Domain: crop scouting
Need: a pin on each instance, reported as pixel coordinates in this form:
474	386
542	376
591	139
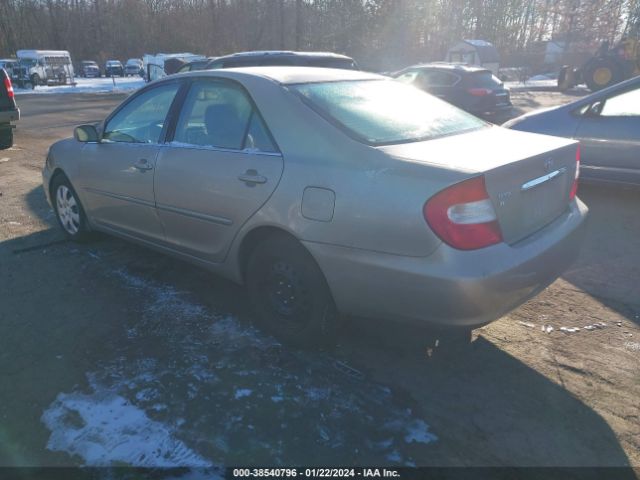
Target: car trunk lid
528	177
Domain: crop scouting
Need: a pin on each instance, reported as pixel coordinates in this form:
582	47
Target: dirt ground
92	335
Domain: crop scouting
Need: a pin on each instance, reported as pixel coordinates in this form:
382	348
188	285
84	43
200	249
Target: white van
46	67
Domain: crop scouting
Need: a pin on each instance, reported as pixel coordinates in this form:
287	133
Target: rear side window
435	78
483	80
383	112
217	114
142	119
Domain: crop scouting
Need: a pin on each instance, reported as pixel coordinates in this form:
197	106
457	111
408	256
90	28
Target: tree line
379	34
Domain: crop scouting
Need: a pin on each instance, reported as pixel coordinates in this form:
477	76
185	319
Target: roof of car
459	67
292	75
281	53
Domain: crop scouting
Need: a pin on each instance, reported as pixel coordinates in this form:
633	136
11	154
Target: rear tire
289	294
35	80
68	209
6	137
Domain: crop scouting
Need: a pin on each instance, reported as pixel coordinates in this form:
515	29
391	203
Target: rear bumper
10	115
451	287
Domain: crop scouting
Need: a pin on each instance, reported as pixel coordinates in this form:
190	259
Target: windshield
382	112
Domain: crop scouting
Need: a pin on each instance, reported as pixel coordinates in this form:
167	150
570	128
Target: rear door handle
143	165
251	177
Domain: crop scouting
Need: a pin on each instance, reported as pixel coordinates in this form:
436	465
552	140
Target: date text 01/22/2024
314	473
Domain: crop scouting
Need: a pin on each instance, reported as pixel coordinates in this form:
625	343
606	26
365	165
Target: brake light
8	86
574	187
463	215
479	92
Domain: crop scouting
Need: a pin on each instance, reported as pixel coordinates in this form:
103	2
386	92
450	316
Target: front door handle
251	177
143	165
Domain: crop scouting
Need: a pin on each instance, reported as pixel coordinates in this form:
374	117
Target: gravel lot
113	353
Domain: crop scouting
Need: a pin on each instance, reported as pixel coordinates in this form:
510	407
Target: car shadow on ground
609	258
486	406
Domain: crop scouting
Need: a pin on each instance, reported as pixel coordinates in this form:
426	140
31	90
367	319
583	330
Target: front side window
383	112
217	114
142	119
626	104
408	77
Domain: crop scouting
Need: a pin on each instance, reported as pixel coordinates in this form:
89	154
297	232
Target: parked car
283	58
474	89
134	68
607	124
113	68
327	191
9	111
89	69
8	64
195	65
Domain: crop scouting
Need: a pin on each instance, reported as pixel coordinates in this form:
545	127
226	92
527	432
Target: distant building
475	52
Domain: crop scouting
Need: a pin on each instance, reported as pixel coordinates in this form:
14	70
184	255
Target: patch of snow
243	392
104	429
418	432
569	329
88	85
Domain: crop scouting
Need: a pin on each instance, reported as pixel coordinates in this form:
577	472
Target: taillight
463	216
574	187
479	92
8	86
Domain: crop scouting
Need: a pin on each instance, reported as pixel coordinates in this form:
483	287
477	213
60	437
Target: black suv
474	89
9	112
283	58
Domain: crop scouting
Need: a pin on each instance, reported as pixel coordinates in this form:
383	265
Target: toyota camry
327	193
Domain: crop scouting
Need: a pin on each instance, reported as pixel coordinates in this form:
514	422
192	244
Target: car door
220	168
117	173
609	134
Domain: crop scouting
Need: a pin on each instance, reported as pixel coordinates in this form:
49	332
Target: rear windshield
483	80
383	112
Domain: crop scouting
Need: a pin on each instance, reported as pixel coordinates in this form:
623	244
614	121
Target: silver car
327	192
607	124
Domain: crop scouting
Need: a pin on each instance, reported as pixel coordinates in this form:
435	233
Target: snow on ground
89	85
538	82
188	387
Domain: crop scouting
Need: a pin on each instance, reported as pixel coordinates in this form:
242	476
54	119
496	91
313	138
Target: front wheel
35	80
289	294
68	209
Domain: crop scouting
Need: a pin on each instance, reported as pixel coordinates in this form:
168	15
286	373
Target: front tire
68	209
289	293
35	80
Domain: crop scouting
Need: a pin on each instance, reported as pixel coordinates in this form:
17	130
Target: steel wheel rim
68	210
286	294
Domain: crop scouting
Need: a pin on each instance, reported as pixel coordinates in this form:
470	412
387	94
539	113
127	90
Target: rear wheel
68	209
35	80
602	72
289	294
6	137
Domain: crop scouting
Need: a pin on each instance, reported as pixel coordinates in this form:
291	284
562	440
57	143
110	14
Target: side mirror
596	108
86	134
